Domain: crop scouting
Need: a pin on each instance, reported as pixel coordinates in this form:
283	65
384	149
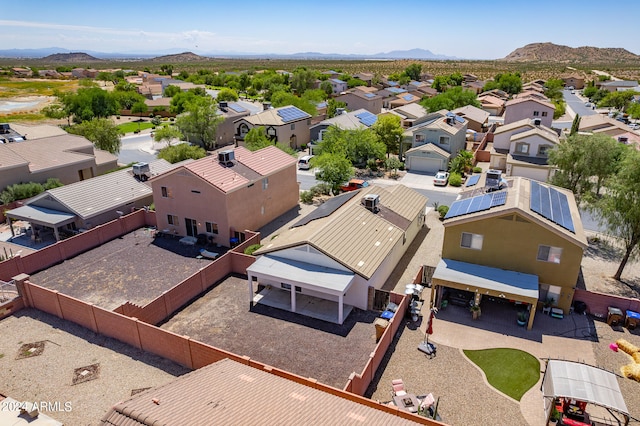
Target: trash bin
632	320
381	325
614	316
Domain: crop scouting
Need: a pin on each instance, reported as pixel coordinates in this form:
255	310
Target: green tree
508	82
332	107
256	138
88	103
282	98
200	121
363	146
326	87
453	98
389	131
619	207
335	169
102	132
393	163
56	111
180	100
302	80
413	71
575	125
180	152
553	89
461	163
590	90
561	108
634	110
171	90
617	100
167	134
167	69
227	94
126	99
139	108
355	82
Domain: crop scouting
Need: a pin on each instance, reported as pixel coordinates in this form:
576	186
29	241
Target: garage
426	158
541	174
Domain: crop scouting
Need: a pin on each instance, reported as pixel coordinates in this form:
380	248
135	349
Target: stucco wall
519	111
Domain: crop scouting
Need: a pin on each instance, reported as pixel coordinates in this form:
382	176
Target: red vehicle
354	184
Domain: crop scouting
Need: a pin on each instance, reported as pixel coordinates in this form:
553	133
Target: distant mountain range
52	53
549	52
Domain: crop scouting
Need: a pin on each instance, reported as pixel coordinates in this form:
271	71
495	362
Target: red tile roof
266	160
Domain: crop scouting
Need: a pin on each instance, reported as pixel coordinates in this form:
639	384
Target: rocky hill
181	57
549	52
76	57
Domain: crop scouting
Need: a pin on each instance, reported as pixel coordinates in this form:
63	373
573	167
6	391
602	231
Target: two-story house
529	107
288	125
477	118
410	114
337	253
521	149
358	119
224	195
434	143
337	85
358	99
523	244
226	130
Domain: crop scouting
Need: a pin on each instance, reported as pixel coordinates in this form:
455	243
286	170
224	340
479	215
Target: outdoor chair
398	387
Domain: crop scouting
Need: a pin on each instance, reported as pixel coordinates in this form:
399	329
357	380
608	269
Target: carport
582	382
485	281
300	277
41	216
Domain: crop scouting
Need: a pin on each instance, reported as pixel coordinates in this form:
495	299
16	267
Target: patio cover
41	216
501	282
584	383
302	274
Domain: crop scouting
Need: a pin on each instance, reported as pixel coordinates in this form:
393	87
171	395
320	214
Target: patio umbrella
429	329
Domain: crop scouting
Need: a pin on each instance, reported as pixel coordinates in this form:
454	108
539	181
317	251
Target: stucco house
288	125
43	152
521	149
599	123
573	80
338	252
619	85
522	244
337	85
224	195
403	99
529	107
410	114
226	130
492	104
68	209
434	143
358	119
477	118
358	99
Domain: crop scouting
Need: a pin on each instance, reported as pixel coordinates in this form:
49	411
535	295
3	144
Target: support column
293	298
340	308
250	282
56	233
532	314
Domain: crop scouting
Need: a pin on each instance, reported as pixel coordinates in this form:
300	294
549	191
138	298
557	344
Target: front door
192	227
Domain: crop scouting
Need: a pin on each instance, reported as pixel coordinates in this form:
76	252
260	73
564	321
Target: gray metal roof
41	215
500	280
320	278
583	382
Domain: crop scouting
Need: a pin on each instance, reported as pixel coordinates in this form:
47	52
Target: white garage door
531	173
422	164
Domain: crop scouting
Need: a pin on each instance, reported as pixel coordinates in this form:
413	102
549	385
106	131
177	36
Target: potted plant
546	306
522	318
475	311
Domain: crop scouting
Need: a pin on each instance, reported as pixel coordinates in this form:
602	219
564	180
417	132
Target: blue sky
463	28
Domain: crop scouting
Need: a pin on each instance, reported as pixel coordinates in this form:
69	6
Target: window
172	219
420	138
522	148
544	113
211	227
444	140
549	254
243	129
543	150
536	113
472	241
293	126
164	191
265	183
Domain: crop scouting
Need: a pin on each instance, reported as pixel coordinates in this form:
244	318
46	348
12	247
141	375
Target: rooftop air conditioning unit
537	122
493	180
4	128
222	106
371	202
141	171
226	158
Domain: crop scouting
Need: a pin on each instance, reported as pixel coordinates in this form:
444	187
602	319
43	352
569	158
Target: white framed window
471	241
211	227
549	254
164	191
536	113
444	140
544	113
420	138
172	219
522	148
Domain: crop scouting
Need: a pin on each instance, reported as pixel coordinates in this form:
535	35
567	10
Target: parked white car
441	179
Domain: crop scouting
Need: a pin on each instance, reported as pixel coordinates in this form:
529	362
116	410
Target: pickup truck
354	184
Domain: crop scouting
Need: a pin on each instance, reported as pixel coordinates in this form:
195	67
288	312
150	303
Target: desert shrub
455	179
477	169
306	197
442	210
249	250
321	189
22	191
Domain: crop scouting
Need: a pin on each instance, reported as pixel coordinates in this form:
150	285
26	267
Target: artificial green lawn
133	126
511	371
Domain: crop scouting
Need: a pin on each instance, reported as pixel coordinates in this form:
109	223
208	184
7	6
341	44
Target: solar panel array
408	97
472	180
237	108
367	118
476	204
551	204
369	95
291	114
456	117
